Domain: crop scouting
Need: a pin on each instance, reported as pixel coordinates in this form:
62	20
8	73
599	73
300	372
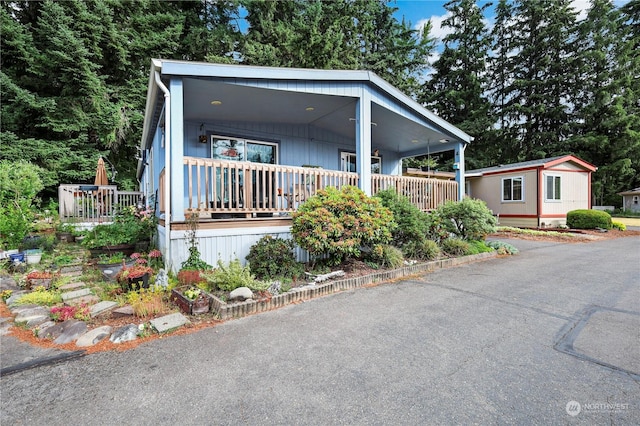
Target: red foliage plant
189	277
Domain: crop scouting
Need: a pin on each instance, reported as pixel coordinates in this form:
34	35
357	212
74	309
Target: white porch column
459	161
177	149
363	141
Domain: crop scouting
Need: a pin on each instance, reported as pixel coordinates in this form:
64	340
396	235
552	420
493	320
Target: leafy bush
389	257
339	223
502	247
618	225
588	219
412	222
423	250
19	184
231	276
455	247
272	258
469	219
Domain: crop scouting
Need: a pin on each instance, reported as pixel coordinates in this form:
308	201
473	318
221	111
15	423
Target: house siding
489	189
573	193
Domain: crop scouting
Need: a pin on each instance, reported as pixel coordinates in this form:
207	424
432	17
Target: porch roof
285	95
543	162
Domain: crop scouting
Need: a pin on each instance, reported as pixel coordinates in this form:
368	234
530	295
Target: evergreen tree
457	89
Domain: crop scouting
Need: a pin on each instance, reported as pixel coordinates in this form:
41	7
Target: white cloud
437	30
582	7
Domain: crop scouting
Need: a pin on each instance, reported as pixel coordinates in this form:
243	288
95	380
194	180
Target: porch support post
459	164
363	141
177	149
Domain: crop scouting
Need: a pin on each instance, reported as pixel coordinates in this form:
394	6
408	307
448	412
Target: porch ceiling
391	131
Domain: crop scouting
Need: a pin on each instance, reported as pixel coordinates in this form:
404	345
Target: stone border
311	291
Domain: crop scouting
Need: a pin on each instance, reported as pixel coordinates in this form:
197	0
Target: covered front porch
218	189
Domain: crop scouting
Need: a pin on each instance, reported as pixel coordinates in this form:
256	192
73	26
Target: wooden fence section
92	203
244	189
426	194
222	189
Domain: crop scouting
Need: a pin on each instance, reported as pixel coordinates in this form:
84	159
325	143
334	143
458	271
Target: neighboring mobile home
242	146
536	193
631	200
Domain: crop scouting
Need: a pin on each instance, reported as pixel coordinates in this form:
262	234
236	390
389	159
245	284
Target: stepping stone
42	327
75	294
14	297
125	311
21	308
125	334
33	314
169	322
71	271
102	307
72	286
94	336
71	332
87	300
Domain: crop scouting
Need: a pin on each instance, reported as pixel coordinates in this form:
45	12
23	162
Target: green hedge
588	219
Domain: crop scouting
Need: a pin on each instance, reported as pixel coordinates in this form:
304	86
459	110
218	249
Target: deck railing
424	193
223	189
92	203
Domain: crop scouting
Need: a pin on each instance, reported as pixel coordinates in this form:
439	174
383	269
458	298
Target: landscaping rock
125	334
125	311
169	322
241	293
8	283
72	286
102	307
42	327
35	316
5	324
72	329
75	294
94	336
21	308
87	300
14	298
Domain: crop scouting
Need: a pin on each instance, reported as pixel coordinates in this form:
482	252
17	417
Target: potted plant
33	256
136	276
66	232
39	278
191	300
111	264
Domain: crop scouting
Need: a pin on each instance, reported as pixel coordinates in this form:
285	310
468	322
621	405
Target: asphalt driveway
549	336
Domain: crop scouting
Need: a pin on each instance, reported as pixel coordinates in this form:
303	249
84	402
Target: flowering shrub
155	259
340	222
130	226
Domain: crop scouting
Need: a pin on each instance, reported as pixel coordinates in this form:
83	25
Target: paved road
505	341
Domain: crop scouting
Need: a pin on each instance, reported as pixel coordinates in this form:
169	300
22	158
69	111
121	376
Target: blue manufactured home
241	147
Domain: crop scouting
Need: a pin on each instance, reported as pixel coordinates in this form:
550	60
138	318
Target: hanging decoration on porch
203	137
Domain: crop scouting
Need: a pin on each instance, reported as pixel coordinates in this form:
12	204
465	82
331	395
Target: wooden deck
93	204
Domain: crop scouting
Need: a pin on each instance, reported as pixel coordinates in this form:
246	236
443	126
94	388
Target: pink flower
155	254
141	261
135	256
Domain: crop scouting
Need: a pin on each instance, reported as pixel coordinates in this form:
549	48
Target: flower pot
201	304
66	237
33	257
110	270
135	283
16	257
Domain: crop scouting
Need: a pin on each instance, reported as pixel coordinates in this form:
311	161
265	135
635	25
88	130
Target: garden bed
226	310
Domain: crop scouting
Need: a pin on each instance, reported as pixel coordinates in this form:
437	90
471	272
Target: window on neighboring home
512	189
635	199
553	184
348	163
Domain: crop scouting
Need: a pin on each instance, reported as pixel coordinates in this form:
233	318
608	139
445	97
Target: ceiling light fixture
444	140
309	108
216	102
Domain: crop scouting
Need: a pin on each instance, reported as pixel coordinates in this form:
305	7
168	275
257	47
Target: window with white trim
552	188
348	162
513	189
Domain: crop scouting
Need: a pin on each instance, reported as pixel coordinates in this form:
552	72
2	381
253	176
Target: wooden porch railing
92	203
424	193
242	189
223	189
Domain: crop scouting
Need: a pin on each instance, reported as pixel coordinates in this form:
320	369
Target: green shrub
476	247
618	225
389	257
272	258
338	223
423	250
588	219
502	247
469	219
455	247
412	222
231	276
